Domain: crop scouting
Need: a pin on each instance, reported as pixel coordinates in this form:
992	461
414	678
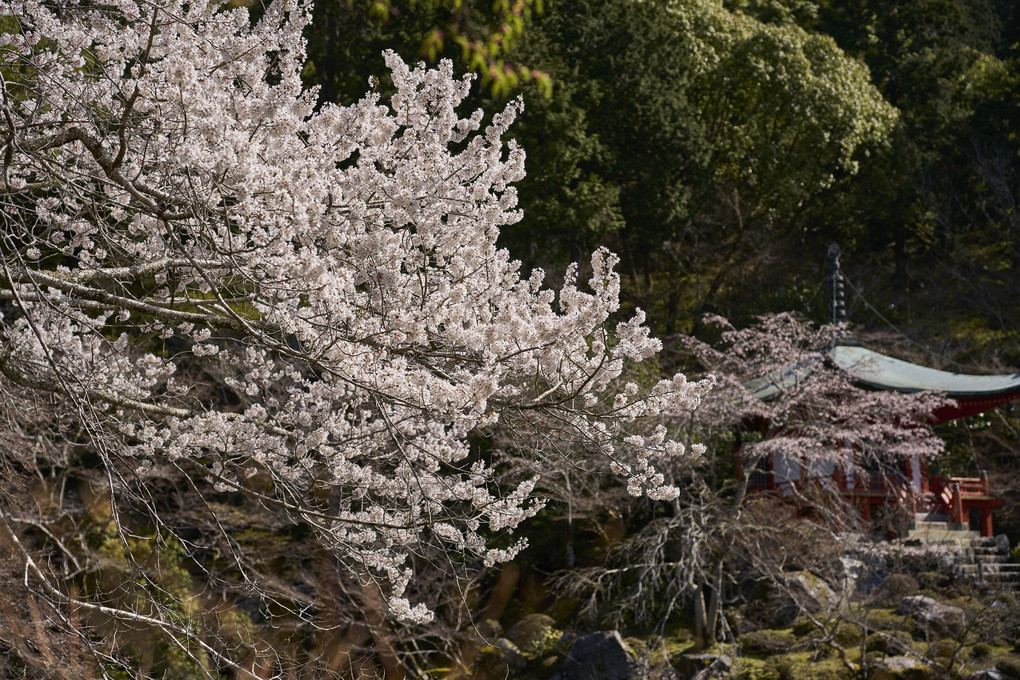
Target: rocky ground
906	616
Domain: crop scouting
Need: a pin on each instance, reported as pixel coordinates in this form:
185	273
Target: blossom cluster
211	271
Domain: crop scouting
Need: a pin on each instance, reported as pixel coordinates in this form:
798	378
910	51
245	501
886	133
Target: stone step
993	566
987	575
989	554
943	533
943	525
932	516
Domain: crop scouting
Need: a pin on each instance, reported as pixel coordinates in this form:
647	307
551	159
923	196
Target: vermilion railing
954	496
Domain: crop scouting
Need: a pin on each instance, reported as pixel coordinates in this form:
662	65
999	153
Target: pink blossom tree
779	388
777	394
205	277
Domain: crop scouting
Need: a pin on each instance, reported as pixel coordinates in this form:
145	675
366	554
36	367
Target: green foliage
785	108
683	158
347	37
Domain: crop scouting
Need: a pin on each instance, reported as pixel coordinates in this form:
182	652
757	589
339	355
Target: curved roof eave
878	371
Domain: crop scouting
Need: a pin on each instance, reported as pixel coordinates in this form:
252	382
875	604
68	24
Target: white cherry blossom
203	268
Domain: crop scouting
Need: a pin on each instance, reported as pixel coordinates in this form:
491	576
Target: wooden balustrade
956	496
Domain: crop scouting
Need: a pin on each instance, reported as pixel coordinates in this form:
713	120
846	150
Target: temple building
953	497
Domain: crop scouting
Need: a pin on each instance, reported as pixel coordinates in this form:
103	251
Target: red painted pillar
957	504
986	522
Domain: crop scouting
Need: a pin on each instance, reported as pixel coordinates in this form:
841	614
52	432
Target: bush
767	642
981	650
933	580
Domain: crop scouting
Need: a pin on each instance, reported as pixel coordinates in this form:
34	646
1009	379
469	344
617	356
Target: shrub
934	580
981	650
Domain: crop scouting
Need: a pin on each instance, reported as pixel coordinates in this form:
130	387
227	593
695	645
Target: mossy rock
894	642
876	642
801	666
676	648
767	642
823	669
535	635
888	620
750	669
1008	600
898	668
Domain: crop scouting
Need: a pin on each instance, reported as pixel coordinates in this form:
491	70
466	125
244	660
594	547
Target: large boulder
601	656
800	592
932	614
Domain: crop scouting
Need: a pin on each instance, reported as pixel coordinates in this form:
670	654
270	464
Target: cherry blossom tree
203	275
777	395
780	389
